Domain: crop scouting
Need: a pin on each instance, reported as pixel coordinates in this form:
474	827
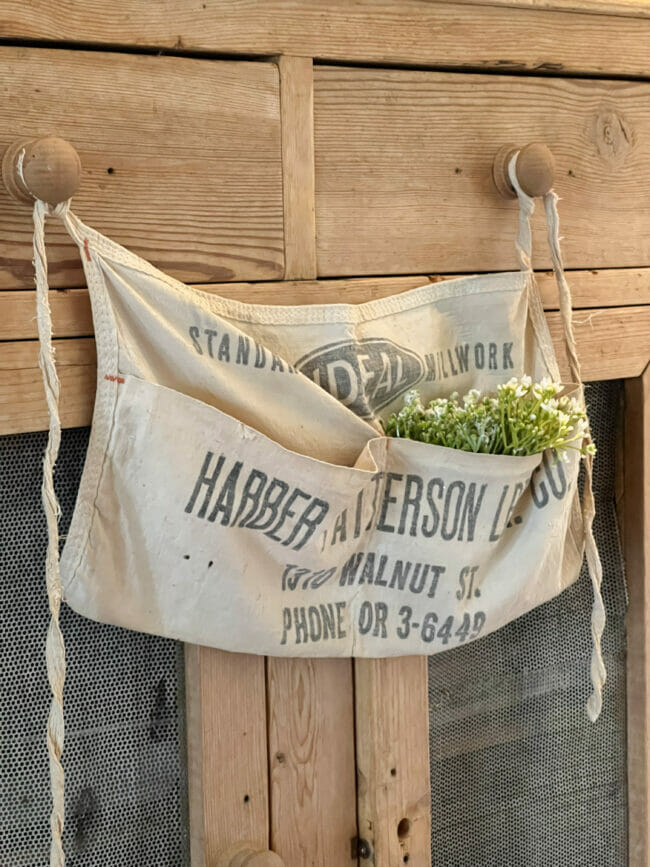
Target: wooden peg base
45	168
500	171
535	170
11	176
245	854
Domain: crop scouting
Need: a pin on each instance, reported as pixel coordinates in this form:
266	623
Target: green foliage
523	418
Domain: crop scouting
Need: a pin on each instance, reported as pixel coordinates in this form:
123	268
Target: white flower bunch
523	418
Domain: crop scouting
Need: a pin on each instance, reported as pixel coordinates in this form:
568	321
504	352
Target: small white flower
524	412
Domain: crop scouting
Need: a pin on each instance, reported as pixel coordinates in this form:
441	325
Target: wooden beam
310	701
403	169
71	314
181	161
636	542
393	760
227	751
377	31
312	760
632	8
22	400
297	117
613	343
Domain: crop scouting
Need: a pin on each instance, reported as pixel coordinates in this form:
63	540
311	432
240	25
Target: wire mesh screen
124	748
519	776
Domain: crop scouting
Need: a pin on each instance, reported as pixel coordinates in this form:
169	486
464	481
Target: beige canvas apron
238	491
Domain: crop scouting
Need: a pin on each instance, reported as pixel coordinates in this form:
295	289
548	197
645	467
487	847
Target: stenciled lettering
251	499
313	623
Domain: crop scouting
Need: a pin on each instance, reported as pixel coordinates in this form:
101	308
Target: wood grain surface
312	760
403	170
221	171
393	760
632	8
71	314
636	547
181	160
612	343
227	751
420	32
22	399
297	115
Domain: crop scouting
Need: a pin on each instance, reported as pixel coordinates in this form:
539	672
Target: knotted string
524	246
598	672
55	648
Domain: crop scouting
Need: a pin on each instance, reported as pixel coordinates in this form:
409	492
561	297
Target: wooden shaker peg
245	854
535	169
46	168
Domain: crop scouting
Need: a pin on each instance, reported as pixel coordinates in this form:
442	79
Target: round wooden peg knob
46	168
245	854
535	170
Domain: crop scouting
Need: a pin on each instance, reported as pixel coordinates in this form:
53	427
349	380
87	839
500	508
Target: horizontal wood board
181	160
72	317
419	32
612	343
71	313
403	170
632	8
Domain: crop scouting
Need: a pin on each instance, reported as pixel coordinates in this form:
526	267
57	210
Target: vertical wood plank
227	751
297	124
636	541
394	796
311	751
310	702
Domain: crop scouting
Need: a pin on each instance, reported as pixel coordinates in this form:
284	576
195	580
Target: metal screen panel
124	757
519	776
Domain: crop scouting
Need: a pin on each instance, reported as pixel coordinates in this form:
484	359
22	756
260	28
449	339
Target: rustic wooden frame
275	742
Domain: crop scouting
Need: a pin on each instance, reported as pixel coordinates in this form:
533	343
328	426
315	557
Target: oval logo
365	375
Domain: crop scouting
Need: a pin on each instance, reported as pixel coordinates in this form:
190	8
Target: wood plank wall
271	170
612	340
514	35
181	158
406	156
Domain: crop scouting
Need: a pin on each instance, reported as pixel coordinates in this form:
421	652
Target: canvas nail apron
238	491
